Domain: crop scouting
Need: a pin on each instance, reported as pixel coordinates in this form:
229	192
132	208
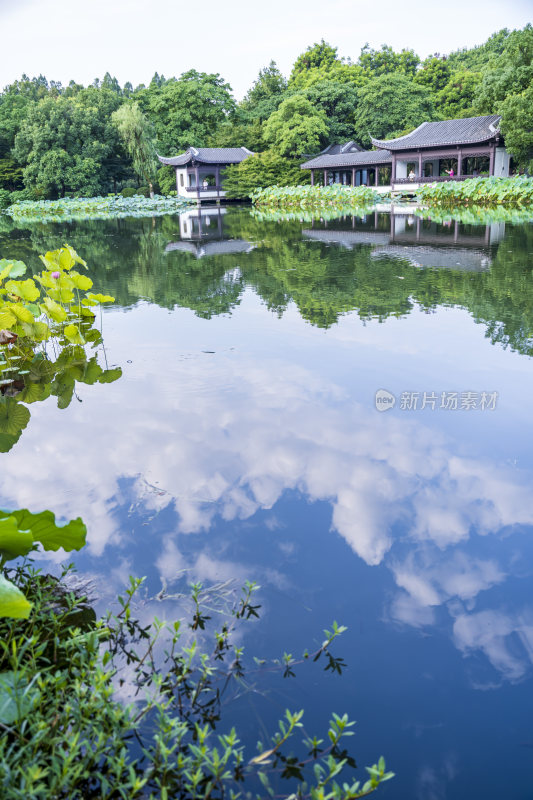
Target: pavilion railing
202	189
435	179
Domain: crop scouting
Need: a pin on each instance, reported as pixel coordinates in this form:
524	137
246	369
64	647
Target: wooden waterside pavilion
200	170
454	149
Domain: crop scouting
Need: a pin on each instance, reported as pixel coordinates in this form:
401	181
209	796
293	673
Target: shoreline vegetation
79	208
515	192
340	197
81	141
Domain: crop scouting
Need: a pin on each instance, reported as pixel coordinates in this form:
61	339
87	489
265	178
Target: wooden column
393	169
325	177
419	165
377	176
353	176
197	174
459	164
491	165
312	177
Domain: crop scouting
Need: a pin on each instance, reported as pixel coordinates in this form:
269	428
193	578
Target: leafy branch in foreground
46	322
66	735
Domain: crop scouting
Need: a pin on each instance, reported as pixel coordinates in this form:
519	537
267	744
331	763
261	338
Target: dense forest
73	140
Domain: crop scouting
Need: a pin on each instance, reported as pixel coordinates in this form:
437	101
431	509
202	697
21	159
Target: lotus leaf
101	298
12	602
27	290
13	416
21	312
43	529
54	310
12	268
72	333
81	282
110	375
7	319
13	541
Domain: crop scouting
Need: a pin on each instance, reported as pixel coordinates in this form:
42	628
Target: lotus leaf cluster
79	208
516	192
45	324
341	198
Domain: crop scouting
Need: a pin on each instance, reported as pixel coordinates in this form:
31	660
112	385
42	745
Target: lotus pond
338	409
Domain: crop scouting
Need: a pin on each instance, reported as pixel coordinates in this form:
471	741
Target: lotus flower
55	275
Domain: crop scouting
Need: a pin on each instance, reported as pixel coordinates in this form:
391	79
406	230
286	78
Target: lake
339	410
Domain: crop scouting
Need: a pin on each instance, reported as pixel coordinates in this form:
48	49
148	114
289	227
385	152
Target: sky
132	39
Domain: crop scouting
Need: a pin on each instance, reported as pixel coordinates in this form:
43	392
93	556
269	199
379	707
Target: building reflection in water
398	233
202	234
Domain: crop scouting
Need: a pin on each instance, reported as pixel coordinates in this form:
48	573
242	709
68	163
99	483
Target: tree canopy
389	106
58	139
297	127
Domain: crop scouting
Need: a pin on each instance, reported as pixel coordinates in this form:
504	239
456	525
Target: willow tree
135	130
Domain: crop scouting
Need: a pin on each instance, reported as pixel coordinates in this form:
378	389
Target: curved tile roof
449	132
357	159
208	155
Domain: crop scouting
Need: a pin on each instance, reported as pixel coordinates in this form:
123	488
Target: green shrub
5	198
260	171
166	179
22	195
64	735
129	191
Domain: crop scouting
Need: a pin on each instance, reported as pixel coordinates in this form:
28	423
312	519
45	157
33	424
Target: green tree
186	111
297	127
386	61
320	55
262	170
457	99
508	74
137	136
517	126
476	59
268	88
338	102
337	72
391	104
70	144
435	73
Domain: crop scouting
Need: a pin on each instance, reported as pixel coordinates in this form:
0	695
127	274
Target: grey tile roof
335	149
448	132
357	159
455	258
347	239
208	155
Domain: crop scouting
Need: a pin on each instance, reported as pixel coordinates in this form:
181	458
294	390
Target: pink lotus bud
55	275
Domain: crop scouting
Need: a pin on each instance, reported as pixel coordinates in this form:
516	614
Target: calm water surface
243	442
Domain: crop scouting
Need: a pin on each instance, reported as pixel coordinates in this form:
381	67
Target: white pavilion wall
501	163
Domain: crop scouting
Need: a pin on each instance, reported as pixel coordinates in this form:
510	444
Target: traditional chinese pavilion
200	170
454	149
